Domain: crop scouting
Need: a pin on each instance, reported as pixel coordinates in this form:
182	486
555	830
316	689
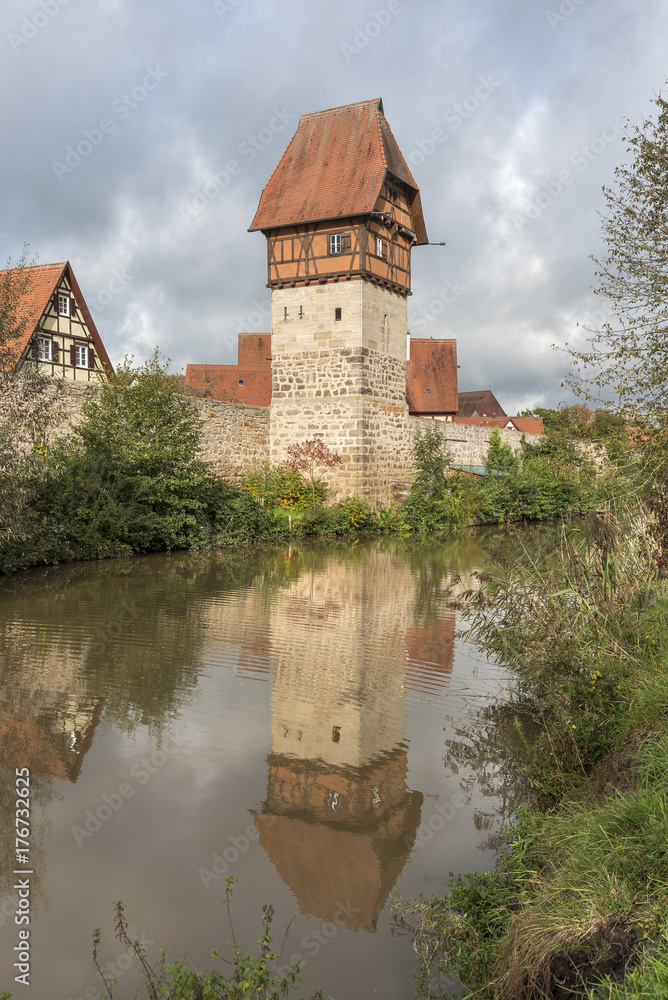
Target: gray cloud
493	104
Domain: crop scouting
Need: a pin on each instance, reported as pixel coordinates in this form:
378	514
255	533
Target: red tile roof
481	403
254	349
431	387
527	425
45	278
334	167
224	383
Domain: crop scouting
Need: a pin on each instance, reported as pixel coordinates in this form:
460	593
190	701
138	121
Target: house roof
526	425
334	167
431	385
223	383
480	403
45	278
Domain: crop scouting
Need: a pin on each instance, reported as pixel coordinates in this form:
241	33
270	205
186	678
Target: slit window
337	313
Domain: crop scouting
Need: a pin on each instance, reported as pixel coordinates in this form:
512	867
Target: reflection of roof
334	167
234	383
48	750
339	837
431	386
429	651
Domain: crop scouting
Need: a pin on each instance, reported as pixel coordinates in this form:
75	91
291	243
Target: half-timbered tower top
341	204
335	167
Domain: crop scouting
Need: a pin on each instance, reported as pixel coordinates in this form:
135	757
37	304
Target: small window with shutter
335	243
80	356
381	247
63	305
43	349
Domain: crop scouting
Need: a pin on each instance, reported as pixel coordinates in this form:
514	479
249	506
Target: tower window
339	243
337	313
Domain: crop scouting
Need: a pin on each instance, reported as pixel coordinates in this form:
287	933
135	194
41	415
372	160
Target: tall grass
578	904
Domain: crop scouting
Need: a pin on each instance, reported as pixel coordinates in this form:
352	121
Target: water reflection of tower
338	821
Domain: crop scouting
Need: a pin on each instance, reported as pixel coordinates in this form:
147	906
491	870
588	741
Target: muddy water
303	718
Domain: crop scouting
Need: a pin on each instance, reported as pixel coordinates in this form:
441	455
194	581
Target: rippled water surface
303	718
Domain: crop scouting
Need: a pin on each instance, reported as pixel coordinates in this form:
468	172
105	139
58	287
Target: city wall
236	437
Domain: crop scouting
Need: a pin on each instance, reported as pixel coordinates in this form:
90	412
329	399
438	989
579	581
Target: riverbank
578	903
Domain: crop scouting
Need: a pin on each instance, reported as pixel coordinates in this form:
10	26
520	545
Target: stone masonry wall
235	436
468	444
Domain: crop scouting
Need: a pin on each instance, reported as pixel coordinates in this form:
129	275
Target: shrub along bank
129	480
578	904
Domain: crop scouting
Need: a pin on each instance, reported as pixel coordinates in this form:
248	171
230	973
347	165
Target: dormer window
241	381
63	305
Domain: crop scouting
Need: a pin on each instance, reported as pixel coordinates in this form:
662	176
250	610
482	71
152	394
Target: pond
305	718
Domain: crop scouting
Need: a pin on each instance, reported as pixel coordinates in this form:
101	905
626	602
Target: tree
29	399
309	456
430	461
628	355
500	456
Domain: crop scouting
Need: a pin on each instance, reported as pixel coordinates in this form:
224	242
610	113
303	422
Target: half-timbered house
58	333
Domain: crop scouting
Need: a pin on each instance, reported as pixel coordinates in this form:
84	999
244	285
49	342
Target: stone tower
341	213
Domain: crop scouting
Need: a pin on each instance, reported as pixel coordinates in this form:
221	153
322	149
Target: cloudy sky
138	135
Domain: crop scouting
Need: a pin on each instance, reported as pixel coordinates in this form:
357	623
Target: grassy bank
578	903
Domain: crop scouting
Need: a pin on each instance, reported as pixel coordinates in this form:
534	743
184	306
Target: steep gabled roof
334	167
45	278
480	403
431	385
